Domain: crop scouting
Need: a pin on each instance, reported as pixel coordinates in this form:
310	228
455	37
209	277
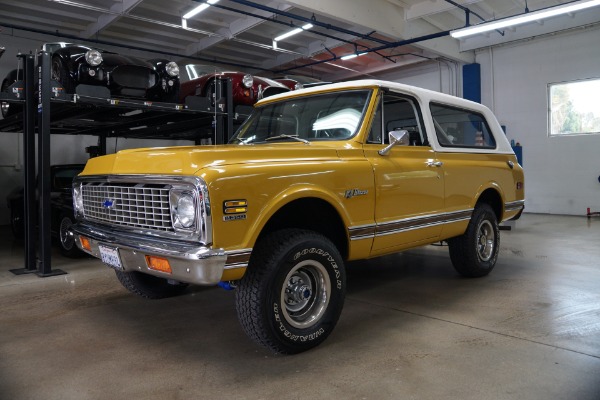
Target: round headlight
298	86
93	57
172	69
186	210
248	80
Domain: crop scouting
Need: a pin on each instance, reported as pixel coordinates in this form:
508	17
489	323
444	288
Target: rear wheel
474	254
148	286
293	292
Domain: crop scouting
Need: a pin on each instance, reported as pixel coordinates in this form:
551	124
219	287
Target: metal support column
224	107
29	200
44	185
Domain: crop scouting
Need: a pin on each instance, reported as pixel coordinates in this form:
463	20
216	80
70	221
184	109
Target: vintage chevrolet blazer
312	179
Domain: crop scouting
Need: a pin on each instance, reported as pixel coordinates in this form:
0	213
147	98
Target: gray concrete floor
411	329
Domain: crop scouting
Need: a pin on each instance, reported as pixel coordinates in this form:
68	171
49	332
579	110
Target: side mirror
400	137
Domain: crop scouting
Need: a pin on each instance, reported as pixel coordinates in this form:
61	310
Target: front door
408	180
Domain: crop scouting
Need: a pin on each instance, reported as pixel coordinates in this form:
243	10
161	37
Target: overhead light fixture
351	56
524	18
199	9
291	33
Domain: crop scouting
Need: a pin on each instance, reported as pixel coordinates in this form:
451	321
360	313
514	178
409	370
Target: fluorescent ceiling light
199	9
524	18
351	56
184	23
293	32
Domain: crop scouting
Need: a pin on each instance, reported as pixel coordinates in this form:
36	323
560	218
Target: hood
190	159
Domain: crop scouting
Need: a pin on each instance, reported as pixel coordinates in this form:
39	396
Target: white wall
64	148
561	173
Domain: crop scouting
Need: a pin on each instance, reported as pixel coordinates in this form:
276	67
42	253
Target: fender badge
234	217
350	193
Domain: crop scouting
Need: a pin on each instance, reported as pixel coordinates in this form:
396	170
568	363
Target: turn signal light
85	243
158	264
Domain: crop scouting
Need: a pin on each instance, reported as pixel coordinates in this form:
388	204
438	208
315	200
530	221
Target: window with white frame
574	107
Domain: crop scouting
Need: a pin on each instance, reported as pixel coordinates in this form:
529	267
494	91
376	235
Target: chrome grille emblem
109	203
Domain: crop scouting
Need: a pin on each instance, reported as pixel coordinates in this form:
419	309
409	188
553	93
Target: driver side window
396	112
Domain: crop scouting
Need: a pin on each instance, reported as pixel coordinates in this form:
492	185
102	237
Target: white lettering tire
293	292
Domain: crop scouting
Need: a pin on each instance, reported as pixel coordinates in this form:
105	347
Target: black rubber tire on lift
292	294
474	253
59	73
7	109
149	286
16	221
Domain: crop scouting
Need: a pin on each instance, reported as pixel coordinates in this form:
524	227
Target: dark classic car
247	89
124	76
61	205
295	82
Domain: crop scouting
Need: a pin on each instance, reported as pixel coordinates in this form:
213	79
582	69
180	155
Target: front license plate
110	257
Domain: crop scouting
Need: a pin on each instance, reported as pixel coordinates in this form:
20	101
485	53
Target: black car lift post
29	111
44	186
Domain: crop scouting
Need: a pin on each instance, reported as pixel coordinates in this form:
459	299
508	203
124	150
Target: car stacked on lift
82	69
247	89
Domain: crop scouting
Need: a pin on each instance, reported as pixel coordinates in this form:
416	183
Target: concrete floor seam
473	327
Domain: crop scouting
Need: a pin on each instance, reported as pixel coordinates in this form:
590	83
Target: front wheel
293	292
68	248
474	253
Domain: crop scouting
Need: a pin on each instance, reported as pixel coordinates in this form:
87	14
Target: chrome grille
135	205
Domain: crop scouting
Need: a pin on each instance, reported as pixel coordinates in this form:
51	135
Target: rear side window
456	127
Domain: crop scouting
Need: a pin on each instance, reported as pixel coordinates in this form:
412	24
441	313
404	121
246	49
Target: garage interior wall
561	173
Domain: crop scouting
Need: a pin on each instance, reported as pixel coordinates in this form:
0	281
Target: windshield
197	70
332	116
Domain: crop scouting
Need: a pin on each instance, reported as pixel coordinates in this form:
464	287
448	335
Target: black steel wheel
66	240
60	74
149	286
7	109
293	292
16	221
474	253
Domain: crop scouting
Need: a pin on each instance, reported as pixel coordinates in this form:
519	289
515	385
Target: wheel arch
493	196
311	212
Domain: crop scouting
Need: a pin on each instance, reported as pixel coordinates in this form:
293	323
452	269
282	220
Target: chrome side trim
407	224
237	258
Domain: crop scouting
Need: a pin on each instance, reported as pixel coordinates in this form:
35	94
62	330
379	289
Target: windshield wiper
294	137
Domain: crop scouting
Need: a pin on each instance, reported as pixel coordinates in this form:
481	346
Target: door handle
434	163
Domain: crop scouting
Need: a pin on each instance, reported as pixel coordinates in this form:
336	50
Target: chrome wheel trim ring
305	294
486	240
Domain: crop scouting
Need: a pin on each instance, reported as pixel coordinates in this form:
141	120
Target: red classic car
295	82
247	89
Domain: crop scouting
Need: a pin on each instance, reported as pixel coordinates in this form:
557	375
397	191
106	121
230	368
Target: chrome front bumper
190	263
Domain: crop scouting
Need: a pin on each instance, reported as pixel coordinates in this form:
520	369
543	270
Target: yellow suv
312	179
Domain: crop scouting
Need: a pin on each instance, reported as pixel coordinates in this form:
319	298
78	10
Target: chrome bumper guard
190	263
